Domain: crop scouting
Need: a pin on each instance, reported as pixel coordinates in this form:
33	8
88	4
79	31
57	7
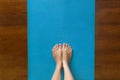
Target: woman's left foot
67	53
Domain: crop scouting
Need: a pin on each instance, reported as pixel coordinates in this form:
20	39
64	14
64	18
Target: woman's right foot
67	53
57	54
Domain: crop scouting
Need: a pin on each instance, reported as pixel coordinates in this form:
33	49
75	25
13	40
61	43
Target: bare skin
67	53
57	54
62	54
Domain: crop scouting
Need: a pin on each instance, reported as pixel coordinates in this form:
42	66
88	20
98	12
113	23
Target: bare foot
67	53
57	54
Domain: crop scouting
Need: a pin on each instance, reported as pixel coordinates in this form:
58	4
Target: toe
70	48
55	47
60	45
67	45
63	45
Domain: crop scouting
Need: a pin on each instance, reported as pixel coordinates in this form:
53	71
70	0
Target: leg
56	75
57	54
67	53
67	72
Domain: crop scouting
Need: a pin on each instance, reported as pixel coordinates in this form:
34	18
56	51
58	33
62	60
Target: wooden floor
13	40
107	40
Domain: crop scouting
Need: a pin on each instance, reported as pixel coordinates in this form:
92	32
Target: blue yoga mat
61	21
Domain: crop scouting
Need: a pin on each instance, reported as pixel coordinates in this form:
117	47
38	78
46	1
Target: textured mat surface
59	21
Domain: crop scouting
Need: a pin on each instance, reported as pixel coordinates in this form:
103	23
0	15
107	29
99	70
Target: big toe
60	45
64	45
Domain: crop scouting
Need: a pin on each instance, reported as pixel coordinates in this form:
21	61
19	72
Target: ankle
65	63
58	65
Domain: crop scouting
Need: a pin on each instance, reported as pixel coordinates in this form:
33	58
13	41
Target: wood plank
107	40
13	53
13	40
13	12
